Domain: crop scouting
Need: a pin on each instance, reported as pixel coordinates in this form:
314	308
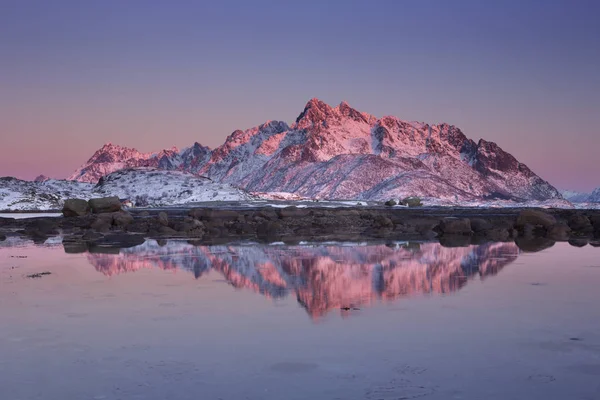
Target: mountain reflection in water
322	276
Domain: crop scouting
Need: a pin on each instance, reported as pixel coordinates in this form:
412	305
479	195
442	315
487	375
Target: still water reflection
172	320
322	277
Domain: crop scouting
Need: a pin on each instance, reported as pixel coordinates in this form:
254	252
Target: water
29	215
171	320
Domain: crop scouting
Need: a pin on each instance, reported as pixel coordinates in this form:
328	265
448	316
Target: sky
156	74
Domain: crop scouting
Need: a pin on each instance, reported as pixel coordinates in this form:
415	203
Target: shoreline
532	229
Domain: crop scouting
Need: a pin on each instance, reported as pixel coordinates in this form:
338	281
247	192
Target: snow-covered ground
151	187
142	186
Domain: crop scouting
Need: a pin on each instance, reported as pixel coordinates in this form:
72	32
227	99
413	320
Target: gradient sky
153	74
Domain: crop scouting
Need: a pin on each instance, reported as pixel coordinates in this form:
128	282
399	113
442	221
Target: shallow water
312	321
29	215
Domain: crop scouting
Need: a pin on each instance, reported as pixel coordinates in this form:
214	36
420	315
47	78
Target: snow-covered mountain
143	186
341	153
579	197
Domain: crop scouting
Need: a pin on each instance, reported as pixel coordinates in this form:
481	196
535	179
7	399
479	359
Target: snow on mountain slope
144	186
16	194
579	197
155	187
339	152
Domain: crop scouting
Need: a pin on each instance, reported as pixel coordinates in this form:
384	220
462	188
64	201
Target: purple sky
151	74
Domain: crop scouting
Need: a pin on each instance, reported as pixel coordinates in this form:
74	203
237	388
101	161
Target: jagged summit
340	152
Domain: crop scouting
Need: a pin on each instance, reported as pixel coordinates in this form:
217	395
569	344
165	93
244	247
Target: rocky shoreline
102	224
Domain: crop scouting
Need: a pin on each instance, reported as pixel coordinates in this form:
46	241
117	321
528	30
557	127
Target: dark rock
578	242
595	220
165	230
384	222
224	214
269	229
595	243
121	218
452	225
558	232
163	218
2	237
189	224
497	235
101	225
6	221
45	226
75	208
91	235
535	218
139	225
390	203
480	224
269	215
75	247
105	205
199	213
580	223
533	245
455	240
412	202
293	212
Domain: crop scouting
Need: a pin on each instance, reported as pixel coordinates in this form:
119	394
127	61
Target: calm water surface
171	320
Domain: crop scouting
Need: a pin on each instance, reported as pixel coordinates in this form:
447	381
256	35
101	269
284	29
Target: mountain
579	197
342	153
322	277
144	186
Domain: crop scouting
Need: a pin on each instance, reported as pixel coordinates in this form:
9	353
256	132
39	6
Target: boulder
121	218
75	247
578	242
533	245
390	203
2	237
412	201
595	243
105	205
580	223
558	232
163	218
480	225
101	225
535	218
75	208
454	240
452	225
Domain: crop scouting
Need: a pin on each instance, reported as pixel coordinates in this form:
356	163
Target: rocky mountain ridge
342	153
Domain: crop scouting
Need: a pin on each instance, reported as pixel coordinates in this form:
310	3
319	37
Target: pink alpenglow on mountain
341	153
